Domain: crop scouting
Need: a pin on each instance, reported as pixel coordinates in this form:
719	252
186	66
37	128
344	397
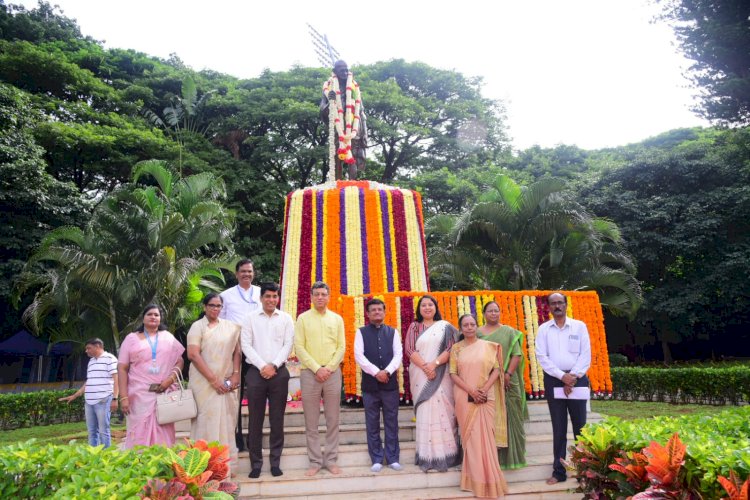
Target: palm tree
162	243
183	116
532	237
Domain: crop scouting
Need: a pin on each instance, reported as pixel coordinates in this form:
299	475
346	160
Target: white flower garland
346	121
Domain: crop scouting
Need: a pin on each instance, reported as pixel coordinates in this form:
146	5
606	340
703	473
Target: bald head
341	69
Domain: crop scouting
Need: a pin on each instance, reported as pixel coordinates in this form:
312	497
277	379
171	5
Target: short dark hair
374	302
319	284
211	295
268	287
96	341
241	263
419	317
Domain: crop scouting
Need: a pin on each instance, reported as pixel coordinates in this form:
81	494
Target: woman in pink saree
475	369
427	345
148	358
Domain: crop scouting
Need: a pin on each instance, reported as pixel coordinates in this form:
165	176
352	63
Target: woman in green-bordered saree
514	456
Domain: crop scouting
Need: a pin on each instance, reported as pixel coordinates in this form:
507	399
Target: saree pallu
480	472
437	445
217	413
142	427
514	455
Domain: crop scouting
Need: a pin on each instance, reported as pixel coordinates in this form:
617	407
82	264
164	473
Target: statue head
341	69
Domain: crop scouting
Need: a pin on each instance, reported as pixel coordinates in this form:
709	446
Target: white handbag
176	405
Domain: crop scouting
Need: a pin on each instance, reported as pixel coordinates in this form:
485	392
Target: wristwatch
437	361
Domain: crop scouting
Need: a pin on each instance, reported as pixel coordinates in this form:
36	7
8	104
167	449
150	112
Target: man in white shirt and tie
267	338
238	302
563	350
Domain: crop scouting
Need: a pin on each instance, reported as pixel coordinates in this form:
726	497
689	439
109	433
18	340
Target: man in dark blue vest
378	351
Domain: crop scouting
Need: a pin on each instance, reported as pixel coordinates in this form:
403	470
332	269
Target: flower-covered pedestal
359	237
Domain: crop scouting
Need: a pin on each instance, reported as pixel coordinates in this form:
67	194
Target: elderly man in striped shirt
101	392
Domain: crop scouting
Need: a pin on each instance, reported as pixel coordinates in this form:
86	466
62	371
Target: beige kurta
217	413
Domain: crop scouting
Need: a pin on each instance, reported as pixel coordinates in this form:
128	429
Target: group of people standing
467	383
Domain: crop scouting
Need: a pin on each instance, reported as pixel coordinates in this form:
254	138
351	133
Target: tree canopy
715	36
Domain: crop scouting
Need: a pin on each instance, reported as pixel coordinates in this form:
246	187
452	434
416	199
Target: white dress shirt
237	303
566	349
267	339
364	363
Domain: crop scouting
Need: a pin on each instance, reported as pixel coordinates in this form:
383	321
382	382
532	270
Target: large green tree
420	117
32	202
715	35
684	214
161	243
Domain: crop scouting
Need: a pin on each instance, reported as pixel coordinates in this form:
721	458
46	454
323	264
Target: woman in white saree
427	345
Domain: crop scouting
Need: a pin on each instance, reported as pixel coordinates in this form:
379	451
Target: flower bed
617	458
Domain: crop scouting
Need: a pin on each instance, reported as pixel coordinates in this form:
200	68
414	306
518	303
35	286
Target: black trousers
260	390
559	409
387	402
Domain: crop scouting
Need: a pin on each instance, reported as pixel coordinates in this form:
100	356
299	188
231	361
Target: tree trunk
667	352
113	326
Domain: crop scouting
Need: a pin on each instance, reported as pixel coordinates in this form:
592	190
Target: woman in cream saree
427	345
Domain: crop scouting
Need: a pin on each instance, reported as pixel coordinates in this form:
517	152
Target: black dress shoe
254	474
276	472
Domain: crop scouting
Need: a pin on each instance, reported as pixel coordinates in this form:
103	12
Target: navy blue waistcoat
378	343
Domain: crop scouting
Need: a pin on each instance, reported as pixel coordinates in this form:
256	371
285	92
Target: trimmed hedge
29	409
703	385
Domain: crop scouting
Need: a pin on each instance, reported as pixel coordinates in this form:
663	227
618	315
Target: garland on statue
347	121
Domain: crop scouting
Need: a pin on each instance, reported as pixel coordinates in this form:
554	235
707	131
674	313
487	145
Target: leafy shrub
32	471
28	409
695	384
616	360
714	446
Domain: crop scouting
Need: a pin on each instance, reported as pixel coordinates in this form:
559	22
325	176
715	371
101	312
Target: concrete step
536	490
348	434
356	480
294	415
353	455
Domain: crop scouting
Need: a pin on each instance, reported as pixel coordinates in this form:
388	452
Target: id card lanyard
154	367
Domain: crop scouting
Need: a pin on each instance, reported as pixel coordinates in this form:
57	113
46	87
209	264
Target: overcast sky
595	73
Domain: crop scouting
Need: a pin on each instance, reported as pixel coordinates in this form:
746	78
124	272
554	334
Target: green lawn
56	434
64	433
641	409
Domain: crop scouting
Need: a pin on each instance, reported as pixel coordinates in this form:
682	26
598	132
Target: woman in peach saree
475	369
